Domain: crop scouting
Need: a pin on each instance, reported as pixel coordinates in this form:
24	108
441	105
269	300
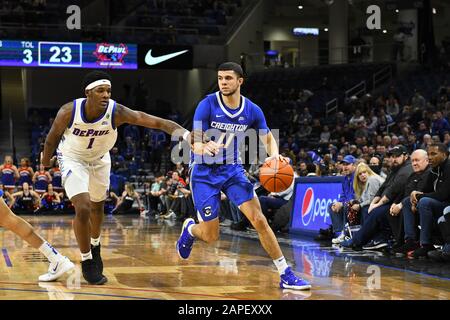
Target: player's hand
278	157
212	148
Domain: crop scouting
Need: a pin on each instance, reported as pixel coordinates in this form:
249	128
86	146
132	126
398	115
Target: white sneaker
170	215
339	239
57	269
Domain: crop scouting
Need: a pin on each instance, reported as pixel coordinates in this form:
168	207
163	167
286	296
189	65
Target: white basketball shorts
80	176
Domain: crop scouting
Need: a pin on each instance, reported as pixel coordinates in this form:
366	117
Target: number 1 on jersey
91	142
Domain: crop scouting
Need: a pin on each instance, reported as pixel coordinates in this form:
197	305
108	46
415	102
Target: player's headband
98	83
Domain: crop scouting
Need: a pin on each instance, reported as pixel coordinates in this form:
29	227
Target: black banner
165	57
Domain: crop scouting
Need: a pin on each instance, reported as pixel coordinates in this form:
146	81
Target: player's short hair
233	66
94	76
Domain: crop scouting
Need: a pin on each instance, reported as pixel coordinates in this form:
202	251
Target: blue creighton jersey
216	119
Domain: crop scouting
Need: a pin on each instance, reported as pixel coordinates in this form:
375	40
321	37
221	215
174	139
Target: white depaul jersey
88	141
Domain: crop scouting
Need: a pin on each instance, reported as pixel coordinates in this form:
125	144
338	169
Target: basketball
276	175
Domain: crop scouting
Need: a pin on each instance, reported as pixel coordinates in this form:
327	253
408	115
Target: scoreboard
20	53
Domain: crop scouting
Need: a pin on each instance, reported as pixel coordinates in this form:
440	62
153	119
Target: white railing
358	90
384	75
331	106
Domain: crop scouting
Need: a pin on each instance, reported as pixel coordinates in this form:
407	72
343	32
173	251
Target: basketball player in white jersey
83	132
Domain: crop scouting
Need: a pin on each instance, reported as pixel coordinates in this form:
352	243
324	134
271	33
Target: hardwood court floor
141	263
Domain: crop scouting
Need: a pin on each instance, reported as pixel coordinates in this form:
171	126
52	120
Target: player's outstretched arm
60	124
139	118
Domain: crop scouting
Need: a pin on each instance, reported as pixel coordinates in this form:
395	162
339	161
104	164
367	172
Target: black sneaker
375	244
91	273
408	246
439	256
96	257
422	252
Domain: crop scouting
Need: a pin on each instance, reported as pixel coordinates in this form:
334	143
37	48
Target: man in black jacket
431	205
377	225
402	212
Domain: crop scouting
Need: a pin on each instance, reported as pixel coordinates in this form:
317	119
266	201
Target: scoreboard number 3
28	56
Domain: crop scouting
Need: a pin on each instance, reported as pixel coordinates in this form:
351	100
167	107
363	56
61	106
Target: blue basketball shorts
207	181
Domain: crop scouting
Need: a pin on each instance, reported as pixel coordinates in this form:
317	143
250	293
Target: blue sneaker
185	241
290	281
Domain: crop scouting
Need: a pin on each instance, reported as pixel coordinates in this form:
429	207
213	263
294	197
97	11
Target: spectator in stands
375	165
325	135
132	131
427	141
337	209
50	200
181	170
7	197
130	149
117	161
111	202
423	130
383	121
418	101
158	189
291	145
430	205
177	192
275	200
156	141
356	118
26	172
41	179
439	125
405	210
366	185
9	174
26	201
56	175
376	227
305	118
126	201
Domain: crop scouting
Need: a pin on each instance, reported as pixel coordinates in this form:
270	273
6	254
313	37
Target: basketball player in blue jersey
231	114
84	131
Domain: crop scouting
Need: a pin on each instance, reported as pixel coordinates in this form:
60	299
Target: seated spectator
302	170
111	202
427	141
356	118
126	201
158	189
275	200
26	172
439	125
26	201
337	210
430	205
376	227
177	192
366	185
118	165
444	227
50	200
9	174
392	106
325	135
405	228
41	179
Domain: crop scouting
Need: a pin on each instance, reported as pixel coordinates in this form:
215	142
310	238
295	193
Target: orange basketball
276	175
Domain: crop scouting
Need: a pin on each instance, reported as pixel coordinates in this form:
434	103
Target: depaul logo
313	207
110	54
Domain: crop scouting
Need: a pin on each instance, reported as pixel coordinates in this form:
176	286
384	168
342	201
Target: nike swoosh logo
219	116
54	270
151	60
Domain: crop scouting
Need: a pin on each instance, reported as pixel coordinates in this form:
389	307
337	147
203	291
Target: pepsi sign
312	196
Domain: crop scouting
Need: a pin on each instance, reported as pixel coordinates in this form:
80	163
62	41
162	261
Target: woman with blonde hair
365	184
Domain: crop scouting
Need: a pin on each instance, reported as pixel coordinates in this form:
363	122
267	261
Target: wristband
185	135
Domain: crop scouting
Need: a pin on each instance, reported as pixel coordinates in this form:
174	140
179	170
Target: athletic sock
281	265
190	230
49	252
95	241
86	256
